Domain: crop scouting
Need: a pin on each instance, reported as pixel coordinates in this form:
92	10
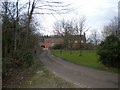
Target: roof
53	40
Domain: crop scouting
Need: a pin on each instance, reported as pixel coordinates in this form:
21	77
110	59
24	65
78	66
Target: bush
58	46
23	59
6	66
26	59
109	51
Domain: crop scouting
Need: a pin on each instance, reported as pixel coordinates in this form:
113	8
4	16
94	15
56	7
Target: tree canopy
109	51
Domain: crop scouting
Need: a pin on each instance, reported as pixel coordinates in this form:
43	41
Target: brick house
50	42
73	42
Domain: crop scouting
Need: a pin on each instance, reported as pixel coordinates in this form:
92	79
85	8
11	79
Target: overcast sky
97	12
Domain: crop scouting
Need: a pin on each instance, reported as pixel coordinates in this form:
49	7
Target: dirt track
83	76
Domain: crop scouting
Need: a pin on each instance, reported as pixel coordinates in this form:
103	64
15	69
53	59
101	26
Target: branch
54	2
53	6
51	13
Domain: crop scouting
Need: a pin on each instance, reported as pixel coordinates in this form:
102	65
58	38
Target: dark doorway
43	46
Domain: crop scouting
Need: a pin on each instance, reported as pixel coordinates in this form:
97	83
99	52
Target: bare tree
65	29
69	28
95	37
44	7
81	27
18	33
17	18
52	7
5	26
111	28
22	16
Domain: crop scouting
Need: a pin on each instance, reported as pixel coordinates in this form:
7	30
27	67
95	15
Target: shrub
109	51
6	66
22	59
58	46
26	59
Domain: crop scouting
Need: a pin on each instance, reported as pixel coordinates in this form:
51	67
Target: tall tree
95	36
17	27
17	18
66	30
44	7
81	27
111	28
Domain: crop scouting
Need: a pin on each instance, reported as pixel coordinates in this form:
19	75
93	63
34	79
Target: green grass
89	58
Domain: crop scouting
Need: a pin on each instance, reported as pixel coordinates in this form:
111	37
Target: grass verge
89	58
19	75
46	79
43	78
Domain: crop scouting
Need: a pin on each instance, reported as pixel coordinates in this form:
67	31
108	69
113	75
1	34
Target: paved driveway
83	76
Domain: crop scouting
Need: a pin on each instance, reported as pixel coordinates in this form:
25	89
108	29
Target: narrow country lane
83	76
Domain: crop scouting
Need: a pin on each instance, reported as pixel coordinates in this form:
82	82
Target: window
76	41
81	41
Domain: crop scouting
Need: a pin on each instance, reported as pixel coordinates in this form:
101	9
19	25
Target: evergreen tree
109	51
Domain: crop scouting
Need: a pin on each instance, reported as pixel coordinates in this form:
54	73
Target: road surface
80	75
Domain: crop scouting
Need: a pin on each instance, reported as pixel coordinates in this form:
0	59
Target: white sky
97	12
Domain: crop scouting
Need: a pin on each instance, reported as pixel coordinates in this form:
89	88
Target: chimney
84	34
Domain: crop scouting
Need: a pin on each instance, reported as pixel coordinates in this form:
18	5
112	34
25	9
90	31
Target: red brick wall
53	40
47	45
49	41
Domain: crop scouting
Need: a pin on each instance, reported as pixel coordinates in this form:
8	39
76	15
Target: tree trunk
15	41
